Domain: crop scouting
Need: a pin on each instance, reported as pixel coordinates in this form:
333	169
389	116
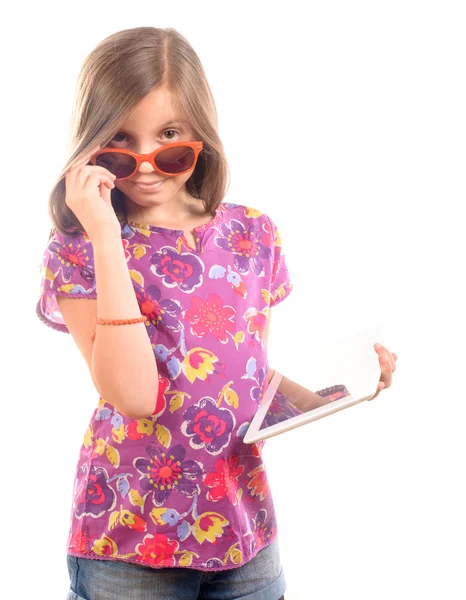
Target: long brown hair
114	78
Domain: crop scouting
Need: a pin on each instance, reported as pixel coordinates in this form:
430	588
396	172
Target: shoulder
252	218
67	269
69	251
247	215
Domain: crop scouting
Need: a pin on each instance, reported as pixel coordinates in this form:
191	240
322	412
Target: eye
117	134
121	133
172	130
114	138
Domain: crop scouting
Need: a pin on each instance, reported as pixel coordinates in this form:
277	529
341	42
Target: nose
146	167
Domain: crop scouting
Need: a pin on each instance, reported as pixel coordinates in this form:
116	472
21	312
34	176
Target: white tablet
338	376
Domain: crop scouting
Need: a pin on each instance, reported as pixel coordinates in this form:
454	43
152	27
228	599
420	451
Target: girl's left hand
387	362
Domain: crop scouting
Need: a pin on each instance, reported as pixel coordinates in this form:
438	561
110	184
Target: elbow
134	410
146	409
133	415
139	410
138	406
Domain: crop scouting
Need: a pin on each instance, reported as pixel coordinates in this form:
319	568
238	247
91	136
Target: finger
380	387
386	367
99	170
83	176
392	361
84	159
381	350
87	177
96	169
106	192
70	174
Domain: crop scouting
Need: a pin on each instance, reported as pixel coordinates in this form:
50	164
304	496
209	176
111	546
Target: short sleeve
67	269
280	283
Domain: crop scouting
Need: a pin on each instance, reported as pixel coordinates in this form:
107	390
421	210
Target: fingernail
378	346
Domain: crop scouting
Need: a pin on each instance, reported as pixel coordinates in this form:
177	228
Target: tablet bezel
255	434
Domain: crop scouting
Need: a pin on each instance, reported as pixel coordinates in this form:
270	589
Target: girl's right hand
88	190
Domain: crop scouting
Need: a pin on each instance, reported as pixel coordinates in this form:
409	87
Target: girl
168	501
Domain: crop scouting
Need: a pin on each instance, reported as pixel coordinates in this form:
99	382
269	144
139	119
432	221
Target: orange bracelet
141	319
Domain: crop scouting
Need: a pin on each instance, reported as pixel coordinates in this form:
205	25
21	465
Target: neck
175	211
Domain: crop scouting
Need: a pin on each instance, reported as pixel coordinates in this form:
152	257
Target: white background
360	108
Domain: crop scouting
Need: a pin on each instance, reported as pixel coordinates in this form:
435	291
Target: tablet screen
328	379
292	400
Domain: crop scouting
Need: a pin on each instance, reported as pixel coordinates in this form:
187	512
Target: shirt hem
194	566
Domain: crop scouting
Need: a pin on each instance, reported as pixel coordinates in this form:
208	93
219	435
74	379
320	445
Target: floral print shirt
181	488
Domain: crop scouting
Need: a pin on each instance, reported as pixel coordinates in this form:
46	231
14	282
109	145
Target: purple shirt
180	489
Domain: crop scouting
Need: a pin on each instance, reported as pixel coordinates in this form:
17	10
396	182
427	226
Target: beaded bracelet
141	319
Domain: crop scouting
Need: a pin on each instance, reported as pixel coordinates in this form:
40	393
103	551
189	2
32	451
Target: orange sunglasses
170	159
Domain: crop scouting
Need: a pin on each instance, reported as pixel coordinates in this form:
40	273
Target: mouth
149	186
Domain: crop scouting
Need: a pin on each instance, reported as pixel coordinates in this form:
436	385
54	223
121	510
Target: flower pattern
180	488
157	550
224	480
71	257
248	246
160	313
210	316
257	392
165	471
210	427
183	270
94	496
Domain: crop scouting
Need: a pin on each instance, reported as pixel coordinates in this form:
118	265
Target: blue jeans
262	578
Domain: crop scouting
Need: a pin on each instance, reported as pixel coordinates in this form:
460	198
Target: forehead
154	111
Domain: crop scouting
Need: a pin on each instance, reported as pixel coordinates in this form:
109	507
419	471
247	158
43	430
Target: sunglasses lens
121	165
175	160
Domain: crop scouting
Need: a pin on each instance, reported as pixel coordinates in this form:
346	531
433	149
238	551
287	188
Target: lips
147	182
153	186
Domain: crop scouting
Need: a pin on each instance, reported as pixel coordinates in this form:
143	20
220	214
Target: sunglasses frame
150	157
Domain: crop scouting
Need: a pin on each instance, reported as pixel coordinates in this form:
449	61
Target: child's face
153	123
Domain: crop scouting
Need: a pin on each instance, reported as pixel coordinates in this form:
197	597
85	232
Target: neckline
158	229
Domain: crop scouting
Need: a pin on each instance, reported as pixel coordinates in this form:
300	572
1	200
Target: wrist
107	241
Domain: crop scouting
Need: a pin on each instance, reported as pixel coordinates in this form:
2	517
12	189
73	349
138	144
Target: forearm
123	361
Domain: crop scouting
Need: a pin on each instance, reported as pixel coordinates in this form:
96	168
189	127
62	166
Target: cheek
179	180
